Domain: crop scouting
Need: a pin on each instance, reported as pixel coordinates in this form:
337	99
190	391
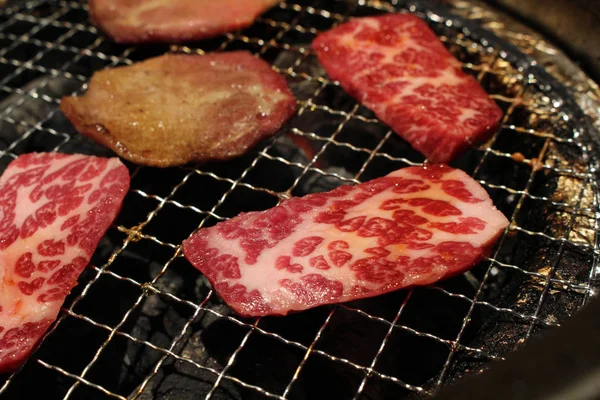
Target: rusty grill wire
44	42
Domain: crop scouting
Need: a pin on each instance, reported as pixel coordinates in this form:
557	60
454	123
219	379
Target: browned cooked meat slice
177	108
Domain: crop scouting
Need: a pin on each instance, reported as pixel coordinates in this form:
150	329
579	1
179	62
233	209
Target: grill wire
49	49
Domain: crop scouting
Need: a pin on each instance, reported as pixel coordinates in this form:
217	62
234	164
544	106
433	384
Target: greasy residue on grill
144	324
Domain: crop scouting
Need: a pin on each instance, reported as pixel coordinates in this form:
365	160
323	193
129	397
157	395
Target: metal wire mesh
538	160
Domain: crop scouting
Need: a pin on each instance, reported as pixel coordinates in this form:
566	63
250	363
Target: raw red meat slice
177	108
54	209
144	21
412	227
396	66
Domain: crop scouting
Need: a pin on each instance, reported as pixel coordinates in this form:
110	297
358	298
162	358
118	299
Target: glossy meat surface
414	226
175	109
54	209
397	67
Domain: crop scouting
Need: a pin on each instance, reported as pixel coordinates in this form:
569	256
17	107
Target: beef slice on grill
414	226
397	67
178	108
146	21
54	209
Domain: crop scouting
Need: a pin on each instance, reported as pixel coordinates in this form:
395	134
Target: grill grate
409	342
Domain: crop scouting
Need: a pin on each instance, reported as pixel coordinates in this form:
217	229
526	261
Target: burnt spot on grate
144	324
